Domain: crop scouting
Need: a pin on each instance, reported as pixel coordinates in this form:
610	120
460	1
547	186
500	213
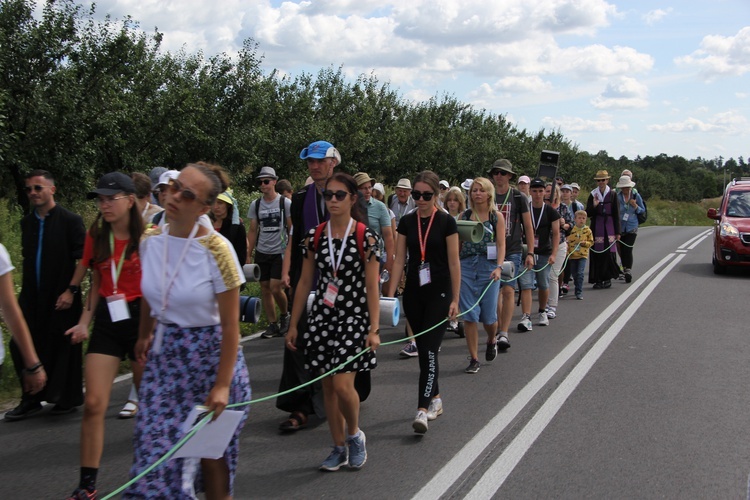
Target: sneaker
420	422
607	284
628	276
543	319
285	320
272	331
491	352
503	343
337	459
551	312
579	296
357	450
435	409
565	289
473	366
82	494
62	410
23	410
525	324
598	285
409	350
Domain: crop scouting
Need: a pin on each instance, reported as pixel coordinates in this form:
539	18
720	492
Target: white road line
499	471
688	242
454	468
698	242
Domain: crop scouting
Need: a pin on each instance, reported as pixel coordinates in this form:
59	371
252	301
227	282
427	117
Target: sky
629	77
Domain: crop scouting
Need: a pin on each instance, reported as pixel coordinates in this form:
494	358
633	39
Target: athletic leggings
425	307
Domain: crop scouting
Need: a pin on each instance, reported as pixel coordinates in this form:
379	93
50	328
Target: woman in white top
34	376
189	339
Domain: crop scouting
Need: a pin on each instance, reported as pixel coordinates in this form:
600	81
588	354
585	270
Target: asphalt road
638	391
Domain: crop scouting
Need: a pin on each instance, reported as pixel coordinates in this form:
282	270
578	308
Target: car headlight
729	230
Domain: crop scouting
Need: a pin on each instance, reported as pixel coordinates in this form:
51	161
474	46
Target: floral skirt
174	381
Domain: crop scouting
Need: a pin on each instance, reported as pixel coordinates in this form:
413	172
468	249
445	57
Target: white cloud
729	122
572	124
654	16
624	93
523	84
721	55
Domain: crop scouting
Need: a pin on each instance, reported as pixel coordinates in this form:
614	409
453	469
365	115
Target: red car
732	229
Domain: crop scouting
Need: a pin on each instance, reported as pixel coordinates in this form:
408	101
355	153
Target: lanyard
334	260
115	274
536	223
168	286
145	209
423	242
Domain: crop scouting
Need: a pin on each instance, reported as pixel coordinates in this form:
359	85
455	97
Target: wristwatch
74	289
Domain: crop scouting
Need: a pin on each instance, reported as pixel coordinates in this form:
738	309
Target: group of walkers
166	279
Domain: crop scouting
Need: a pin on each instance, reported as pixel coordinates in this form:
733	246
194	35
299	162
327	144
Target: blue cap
320	149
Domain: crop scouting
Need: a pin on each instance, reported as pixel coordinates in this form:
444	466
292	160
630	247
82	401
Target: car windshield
739	204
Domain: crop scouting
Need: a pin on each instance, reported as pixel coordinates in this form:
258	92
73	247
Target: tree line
81	97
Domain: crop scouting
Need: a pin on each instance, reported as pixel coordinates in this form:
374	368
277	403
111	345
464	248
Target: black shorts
115	339
269	264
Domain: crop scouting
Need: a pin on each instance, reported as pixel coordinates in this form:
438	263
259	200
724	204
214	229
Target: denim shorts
515	258
526	282
475	276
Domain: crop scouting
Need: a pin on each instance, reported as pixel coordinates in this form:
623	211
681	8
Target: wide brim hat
112	183
466	185
625	182
502	164
362	178
601	175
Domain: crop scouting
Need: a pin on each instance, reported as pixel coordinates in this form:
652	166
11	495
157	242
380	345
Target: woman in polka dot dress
344	317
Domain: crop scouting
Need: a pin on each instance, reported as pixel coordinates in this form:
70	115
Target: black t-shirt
541	221
436	249
512	205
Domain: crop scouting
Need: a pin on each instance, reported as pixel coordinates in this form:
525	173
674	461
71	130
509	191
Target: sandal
296	421
129	410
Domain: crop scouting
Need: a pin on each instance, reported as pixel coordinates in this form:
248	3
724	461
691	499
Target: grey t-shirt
272	237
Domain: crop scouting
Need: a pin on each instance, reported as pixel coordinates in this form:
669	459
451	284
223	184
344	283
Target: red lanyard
423	242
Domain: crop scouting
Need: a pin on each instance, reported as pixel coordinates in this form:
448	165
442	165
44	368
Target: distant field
677	213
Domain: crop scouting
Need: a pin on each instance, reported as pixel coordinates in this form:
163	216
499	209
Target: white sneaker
525	324
420	423
435	409
543	320
551	312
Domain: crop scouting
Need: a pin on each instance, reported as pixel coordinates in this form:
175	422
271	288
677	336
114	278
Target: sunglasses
36	187
443	188
601	180
340	195
264	181
100	201
501	172
189	196
419	194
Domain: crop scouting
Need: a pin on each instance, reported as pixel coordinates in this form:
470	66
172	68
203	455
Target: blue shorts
475	277
526	282
515	258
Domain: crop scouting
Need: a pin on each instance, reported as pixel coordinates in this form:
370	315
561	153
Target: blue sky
632	78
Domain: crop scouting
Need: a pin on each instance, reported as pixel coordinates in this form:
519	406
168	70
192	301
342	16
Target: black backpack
643	216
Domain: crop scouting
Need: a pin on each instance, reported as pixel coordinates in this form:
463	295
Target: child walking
579	242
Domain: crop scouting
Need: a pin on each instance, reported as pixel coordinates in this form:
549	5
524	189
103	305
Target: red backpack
359	234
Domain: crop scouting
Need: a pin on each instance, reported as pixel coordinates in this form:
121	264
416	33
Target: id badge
424	274
625	217
332	291
536	242
492	252
118	307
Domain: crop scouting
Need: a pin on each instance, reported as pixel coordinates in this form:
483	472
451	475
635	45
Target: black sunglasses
340	195
501	172
35	187
264	181
427	195
443	188
176	186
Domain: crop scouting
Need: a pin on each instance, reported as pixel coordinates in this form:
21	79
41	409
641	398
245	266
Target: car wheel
460	329
717	268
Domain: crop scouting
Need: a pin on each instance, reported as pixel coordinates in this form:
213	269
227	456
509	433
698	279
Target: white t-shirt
6	266
272	238
209	266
